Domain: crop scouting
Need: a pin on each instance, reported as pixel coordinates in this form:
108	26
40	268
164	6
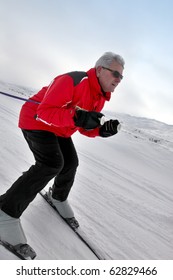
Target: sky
40	39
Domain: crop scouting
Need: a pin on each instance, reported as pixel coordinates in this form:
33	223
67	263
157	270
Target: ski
78	231
22	251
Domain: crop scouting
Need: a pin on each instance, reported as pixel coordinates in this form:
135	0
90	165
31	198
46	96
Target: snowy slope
122	196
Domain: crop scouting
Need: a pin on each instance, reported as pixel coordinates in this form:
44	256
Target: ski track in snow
122	195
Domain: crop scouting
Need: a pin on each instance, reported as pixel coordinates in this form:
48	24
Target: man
72	102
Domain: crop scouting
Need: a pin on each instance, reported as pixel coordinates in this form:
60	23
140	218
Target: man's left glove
109	128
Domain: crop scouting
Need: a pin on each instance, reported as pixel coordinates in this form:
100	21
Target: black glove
109	128
87	119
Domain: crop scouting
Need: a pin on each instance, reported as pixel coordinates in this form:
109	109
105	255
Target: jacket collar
95	86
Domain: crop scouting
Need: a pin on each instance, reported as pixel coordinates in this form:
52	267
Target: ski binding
22	251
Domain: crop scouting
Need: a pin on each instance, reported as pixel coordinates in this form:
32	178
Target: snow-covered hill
122	196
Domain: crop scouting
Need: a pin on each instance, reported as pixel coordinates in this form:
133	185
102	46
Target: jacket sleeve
90	133
56	107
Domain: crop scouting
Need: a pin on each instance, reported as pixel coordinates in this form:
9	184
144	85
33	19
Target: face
106	78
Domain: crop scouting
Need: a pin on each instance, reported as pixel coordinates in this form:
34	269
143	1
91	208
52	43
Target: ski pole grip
118	127
103	120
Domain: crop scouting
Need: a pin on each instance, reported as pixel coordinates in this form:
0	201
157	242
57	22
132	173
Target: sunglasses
116	74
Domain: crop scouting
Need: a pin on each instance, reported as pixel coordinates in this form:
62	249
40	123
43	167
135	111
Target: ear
98	70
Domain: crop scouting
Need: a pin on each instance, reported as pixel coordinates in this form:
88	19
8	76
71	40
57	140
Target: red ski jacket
56	104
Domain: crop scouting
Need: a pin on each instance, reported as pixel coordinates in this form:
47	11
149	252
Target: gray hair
107	58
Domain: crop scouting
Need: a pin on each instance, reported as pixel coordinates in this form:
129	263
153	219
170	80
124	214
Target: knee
54	163
71	165
51	169
76	162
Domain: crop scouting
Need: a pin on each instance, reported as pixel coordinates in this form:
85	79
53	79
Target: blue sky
41	39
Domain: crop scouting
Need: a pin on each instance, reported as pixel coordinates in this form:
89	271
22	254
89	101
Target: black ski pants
54	157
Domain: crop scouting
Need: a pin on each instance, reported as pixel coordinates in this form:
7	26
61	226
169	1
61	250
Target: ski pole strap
20	98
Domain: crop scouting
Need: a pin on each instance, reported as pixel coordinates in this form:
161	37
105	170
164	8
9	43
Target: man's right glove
87	119
109	128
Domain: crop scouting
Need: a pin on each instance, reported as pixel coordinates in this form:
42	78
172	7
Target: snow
122	195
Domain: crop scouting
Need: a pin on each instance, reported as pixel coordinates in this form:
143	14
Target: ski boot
64	210
12	236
